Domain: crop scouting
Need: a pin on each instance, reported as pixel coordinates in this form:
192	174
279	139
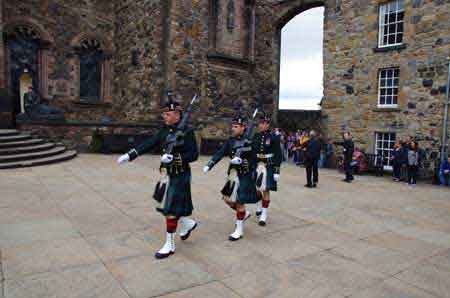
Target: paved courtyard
87	228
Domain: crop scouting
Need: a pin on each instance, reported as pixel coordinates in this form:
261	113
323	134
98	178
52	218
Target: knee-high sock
171	224
240	215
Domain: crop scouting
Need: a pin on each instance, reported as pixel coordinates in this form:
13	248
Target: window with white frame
384	145
391	24
388	81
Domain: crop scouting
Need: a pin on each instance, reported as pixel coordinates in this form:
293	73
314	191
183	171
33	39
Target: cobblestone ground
87	228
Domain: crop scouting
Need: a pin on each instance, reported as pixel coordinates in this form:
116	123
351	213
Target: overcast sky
301	71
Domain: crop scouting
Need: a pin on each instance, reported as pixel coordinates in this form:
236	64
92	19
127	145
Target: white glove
123	159
236	161
206	169
167	158
276	177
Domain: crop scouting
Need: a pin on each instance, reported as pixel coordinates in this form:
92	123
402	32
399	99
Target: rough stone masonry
227	51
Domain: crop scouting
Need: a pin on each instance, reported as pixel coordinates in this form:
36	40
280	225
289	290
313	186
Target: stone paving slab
38	230
88	228
210	290
92	281
429	277
44	256
342	276
408	245
280	281
376	258
144	276
392	288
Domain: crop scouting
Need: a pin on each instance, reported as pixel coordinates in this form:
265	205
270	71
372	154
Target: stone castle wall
351	72
231	57
63	25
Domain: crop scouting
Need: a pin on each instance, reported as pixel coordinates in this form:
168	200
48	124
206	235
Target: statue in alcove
230	16
35	109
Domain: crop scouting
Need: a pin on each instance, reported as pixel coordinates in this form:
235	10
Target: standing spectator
302	146
329	151
312	155
404	161
295	146
290	144
397	160
321	142
444	172
413	163
349	147
408	142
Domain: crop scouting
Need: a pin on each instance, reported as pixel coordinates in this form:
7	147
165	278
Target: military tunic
246	192
268	151
178	201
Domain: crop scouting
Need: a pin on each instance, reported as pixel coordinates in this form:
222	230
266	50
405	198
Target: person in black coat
173	191
312	156
269	158
397	157
349	148
240	188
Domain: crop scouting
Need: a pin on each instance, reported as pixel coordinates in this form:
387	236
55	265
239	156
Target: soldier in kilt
240	188
173	192
269	156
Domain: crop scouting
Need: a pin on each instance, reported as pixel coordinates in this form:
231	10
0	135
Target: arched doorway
27	45
23	49
301	61
284	12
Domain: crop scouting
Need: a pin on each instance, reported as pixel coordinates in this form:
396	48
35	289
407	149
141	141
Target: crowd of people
407	158
313	151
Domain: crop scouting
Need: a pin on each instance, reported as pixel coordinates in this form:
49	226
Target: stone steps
40	161
19	150
33	155
31	142
16	138
8	132
26	149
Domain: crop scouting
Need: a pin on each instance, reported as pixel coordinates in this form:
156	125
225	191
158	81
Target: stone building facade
228	51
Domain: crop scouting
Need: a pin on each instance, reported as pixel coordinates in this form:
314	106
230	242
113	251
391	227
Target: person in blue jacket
444	172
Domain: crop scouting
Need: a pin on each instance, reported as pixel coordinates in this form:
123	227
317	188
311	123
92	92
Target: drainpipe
445	124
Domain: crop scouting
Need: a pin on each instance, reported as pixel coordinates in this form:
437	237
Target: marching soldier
178	148
269	156
240	188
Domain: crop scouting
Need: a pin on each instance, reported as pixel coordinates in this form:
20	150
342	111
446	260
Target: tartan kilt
178	201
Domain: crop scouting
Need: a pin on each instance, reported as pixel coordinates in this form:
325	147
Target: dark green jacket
268	143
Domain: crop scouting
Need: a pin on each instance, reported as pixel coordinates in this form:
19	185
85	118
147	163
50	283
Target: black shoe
314	185
308	185
233	239
185	237
163	256
262	223
258	213
347	180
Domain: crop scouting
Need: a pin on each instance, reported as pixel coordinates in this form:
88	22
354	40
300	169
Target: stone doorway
23	46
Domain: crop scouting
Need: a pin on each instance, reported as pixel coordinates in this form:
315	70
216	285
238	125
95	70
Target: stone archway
281	13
